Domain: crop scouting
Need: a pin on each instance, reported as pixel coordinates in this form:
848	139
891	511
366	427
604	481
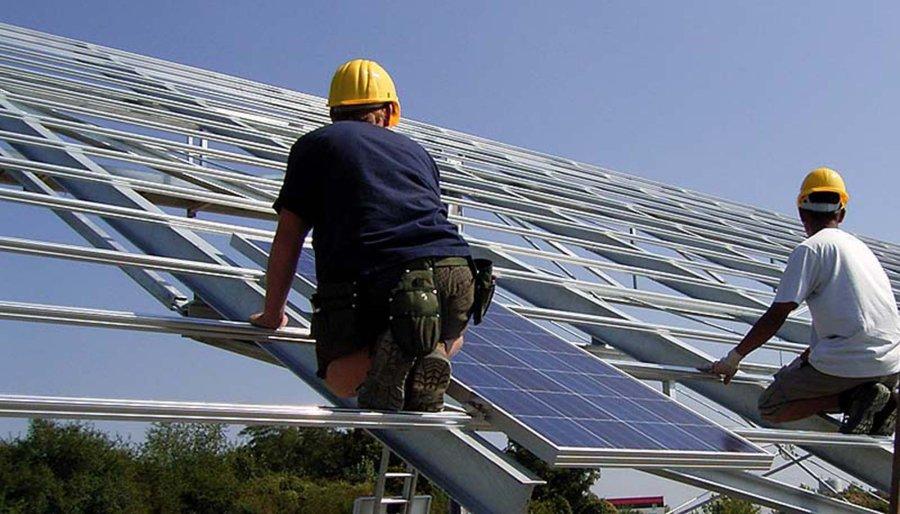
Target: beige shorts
799	380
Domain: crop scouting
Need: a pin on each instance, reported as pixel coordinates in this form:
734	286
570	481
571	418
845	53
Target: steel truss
93	132
226	413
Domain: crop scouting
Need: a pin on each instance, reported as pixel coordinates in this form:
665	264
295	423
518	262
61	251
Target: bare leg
800	409
453	346
345	374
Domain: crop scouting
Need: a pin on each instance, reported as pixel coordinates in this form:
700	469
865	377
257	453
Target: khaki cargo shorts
456	293
799	380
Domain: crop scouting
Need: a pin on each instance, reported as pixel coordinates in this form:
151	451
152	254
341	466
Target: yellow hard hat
361	82
822	180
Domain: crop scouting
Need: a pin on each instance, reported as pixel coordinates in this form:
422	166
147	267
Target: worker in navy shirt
371	197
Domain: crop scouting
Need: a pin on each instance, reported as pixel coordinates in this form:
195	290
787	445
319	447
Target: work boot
428	381
865	402
884	421
383	387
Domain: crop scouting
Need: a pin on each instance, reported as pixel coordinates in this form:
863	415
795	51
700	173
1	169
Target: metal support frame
762	491
449	458
108	409
574	217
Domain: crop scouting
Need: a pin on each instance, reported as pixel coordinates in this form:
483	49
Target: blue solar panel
568	396
573	398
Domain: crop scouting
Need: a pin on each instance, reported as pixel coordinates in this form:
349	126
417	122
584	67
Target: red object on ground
639	502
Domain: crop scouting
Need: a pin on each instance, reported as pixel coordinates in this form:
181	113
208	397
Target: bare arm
764	328
282	265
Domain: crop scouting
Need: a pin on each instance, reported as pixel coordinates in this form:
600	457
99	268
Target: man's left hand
726	367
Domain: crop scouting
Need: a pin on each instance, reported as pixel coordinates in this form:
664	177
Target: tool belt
485	284
413	309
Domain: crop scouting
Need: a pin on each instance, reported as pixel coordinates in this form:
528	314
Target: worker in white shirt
853	360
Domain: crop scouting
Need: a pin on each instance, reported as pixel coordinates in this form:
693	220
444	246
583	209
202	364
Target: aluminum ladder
410	478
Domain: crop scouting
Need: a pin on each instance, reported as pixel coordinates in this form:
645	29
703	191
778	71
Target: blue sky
736	100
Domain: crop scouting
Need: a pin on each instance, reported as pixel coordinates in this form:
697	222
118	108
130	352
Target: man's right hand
726	367
266	320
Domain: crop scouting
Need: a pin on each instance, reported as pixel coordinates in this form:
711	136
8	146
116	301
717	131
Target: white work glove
726	367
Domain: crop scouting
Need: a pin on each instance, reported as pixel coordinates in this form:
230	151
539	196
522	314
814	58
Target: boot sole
427	384
383	387
864	408
887	425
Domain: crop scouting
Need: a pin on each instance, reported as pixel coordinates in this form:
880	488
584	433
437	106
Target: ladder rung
398	474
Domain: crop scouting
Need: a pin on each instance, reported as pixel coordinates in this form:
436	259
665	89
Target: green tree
318	454
187	468
68	468
598	506
278	493
728	505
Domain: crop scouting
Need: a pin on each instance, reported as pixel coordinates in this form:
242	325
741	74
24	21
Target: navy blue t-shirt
372	198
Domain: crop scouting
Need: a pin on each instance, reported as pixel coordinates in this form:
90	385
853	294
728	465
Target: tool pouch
335	320
415	312
485	283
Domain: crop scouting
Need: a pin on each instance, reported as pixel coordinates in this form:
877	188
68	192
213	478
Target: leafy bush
728	505
73	468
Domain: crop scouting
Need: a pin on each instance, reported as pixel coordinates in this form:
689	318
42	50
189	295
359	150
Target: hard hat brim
395	112
845	198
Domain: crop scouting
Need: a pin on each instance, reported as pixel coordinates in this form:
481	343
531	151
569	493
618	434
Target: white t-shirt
856	327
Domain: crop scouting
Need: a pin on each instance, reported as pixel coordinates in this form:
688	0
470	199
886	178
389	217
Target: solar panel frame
541	433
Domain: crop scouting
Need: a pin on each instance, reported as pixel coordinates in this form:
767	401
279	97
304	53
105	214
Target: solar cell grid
568	397
571	397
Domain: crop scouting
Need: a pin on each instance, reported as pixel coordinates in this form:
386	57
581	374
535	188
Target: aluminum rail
227	413
775	271
513	207
192	194
779	496
611	266
273	164
127	213
644	224
622	294
531	154
666	373
113	257
701	307
249	180
154	162
154	142
109	257
576	318
807	437
264	208
192	327
624	213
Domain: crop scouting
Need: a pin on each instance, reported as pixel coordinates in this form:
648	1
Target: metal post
895	471
668	387
382	476
634	277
